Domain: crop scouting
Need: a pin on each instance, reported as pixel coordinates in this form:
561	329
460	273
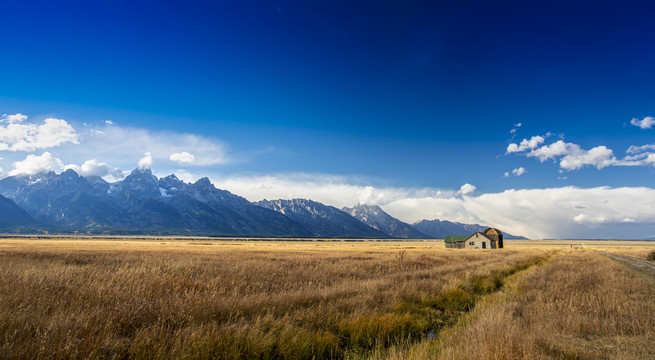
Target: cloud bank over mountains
564	212
109	150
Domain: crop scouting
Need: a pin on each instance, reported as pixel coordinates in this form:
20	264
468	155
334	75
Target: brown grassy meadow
582	305
244	299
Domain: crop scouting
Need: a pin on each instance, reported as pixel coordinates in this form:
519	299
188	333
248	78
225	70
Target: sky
535	117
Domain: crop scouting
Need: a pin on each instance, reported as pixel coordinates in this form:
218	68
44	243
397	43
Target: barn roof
452	239
492	231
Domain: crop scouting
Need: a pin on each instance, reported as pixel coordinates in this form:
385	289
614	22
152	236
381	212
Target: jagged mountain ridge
375	217
141	201
322	220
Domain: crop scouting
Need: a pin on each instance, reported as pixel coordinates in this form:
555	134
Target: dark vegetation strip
414	321
325	337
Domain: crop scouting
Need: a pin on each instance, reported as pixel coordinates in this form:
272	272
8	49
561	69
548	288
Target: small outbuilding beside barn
491	238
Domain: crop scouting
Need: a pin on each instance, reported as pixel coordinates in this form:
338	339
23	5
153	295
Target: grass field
112	298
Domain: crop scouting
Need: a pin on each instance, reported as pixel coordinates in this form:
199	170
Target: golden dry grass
110	298
638	249
214	299
581	305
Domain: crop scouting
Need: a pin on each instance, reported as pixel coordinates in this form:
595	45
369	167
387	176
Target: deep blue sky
417	94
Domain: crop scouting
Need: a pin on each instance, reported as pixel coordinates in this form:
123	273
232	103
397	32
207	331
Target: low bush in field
651	256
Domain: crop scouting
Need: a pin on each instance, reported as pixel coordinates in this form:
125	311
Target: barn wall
477	241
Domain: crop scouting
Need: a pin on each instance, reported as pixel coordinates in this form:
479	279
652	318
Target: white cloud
525	144
94	167
34	164
145	162
182	157
13	119
633	149
519	171
466	189
506	174
584	219
544	213
333	190
553	150
573	157
645	123
18	135
121	145
116	146
600	157
516	127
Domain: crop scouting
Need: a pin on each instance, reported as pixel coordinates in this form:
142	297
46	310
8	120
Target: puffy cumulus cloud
145	162
519	171
645	123
18	135
573	157
34	164
466	189
183	157
599	157
92	167
526	144
556	149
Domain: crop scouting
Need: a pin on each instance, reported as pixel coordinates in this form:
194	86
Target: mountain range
322	219
375	217
144	204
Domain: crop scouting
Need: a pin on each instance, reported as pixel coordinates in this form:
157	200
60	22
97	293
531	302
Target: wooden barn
490	239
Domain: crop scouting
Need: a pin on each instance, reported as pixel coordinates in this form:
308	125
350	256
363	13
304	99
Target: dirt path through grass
644	268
